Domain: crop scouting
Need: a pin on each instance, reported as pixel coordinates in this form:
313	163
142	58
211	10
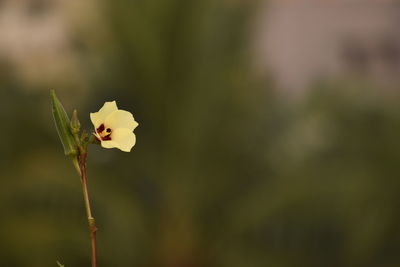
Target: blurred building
301	41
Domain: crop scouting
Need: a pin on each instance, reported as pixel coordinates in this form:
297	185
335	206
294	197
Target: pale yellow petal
123	139
108	144
99	117
121	119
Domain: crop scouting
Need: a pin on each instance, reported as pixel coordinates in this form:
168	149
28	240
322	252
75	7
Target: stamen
104	136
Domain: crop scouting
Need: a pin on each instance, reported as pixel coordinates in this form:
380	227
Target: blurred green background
231	168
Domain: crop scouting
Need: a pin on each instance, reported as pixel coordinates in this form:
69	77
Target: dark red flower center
104	135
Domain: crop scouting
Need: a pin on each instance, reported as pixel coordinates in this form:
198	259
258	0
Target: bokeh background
269	132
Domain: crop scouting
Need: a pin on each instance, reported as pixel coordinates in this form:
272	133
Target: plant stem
91	221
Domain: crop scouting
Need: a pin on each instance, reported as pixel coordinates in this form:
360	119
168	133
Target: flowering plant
113	128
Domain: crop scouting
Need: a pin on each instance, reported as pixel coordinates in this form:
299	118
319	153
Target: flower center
104	133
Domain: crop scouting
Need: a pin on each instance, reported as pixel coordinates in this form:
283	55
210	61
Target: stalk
80	164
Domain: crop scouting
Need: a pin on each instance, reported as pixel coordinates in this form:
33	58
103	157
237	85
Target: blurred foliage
224	173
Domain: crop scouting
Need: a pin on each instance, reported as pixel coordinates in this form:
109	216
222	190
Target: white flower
114	127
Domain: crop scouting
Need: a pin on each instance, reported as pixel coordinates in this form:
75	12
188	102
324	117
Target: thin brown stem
91	220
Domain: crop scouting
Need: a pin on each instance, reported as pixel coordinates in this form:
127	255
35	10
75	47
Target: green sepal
62	123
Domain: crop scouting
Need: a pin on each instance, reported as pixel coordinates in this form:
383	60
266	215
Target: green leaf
59	264
62	122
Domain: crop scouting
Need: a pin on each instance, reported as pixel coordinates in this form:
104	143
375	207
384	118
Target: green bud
75	124
63	126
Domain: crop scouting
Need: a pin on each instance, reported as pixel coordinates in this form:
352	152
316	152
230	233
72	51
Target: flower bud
62	123
75	124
